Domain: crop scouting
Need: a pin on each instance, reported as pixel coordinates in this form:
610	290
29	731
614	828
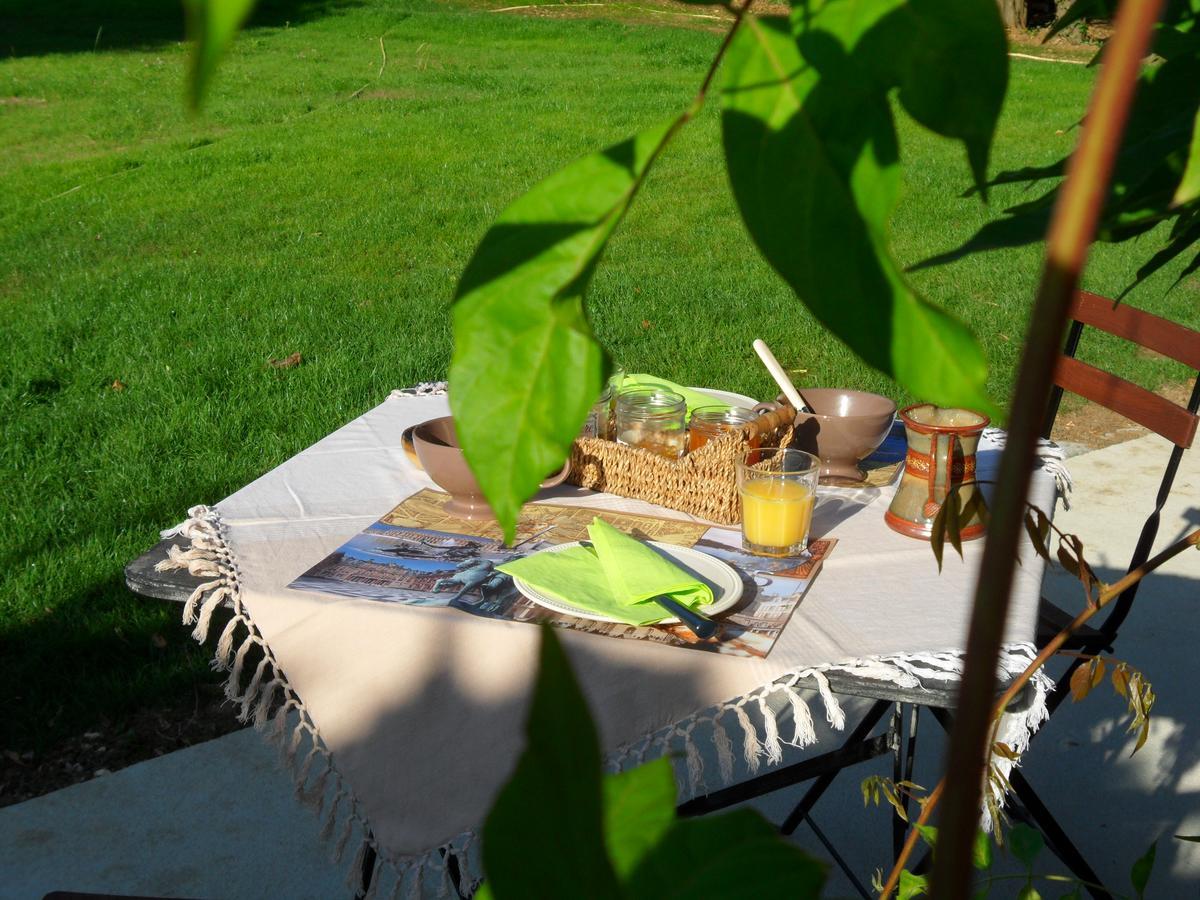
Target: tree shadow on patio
33	28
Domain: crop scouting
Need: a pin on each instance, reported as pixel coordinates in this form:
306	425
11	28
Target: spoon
700	625
785	384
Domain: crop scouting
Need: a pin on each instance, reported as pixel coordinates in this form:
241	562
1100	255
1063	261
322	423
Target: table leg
368	870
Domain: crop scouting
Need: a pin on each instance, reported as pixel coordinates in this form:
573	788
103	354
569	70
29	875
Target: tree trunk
1012	12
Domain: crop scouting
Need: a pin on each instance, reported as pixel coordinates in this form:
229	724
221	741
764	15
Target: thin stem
1071	230
739	14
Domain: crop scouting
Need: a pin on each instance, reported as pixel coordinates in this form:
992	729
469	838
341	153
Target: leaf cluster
947	523
1128	682
1156	178
1069	554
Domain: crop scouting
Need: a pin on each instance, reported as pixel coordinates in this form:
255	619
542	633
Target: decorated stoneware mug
941	458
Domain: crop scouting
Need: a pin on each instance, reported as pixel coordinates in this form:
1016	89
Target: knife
700	625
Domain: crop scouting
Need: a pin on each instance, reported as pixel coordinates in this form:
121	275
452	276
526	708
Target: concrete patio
219	820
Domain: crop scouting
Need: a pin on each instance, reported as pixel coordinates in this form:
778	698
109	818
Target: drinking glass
778	488
652	419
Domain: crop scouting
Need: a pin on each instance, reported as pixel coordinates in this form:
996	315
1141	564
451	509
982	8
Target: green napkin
692	398
616	576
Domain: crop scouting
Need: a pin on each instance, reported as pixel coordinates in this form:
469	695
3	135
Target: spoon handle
785	384
701	626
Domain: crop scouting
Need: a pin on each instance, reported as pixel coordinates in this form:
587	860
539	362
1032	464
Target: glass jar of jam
709	422
652	419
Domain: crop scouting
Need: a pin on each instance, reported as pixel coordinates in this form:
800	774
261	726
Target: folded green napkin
692	398
616	576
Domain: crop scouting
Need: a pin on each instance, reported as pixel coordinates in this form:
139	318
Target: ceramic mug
941	457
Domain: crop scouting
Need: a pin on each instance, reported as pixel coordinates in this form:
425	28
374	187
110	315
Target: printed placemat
420	555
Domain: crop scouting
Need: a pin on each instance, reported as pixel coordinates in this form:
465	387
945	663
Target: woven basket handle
770	421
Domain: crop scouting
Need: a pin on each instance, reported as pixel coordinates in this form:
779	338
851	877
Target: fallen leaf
14	756
288	362
158	641
647	324
118	385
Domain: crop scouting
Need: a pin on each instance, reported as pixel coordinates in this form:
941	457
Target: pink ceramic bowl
845	428
436	446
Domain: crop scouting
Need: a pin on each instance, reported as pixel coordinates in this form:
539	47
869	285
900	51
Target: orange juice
776	515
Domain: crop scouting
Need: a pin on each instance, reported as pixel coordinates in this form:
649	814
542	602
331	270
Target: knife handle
700	625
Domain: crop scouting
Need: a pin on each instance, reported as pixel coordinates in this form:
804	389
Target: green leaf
526	367
1026	843
211	27
816	186
953	507
639	809
1189	185
737	854
911	885
544	834
1029	892
981	853
937	535
928	834
1139	875
484	892
956	72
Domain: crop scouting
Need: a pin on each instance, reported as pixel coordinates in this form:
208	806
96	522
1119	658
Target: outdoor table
401	722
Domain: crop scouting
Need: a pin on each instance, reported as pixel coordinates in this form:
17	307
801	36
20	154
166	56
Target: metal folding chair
1175	423
1156	413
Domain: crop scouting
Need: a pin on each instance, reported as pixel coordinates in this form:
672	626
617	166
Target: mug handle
558	478
941	477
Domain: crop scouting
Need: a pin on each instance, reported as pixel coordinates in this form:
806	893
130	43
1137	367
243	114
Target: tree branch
1071	231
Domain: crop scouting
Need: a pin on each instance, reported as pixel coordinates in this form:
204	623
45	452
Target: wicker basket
702	483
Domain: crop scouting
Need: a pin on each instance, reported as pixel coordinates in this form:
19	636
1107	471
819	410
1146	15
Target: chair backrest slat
1135	403
1160	335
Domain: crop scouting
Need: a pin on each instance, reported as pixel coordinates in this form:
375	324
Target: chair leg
905	755
898	760
837	858
1060	843
857	748
1057	839
821	784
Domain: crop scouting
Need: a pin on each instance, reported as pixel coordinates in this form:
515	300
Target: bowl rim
869	415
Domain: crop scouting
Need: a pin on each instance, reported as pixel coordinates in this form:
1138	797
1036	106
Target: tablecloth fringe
265	697
1049	456
261	688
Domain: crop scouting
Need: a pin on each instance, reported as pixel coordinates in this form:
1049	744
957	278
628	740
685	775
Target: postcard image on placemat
419	555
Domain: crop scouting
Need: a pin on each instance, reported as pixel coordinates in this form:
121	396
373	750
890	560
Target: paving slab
216	821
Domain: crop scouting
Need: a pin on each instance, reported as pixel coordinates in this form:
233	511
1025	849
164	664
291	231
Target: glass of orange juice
778	487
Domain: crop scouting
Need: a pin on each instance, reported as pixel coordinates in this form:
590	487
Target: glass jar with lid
653	419
599	422
709	422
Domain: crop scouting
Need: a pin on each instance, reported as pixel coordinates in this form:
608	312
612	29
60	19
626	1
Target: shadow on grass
36	28
99	654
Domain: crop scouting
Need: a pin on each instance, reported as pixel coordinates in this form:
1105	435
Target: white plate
727	396
725	582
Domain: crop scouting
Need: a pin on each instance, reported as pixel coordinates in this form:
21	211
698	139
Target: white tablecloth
409	719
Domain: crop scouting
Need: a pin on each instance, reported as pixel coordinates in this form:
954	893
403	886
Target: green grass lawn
321	206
